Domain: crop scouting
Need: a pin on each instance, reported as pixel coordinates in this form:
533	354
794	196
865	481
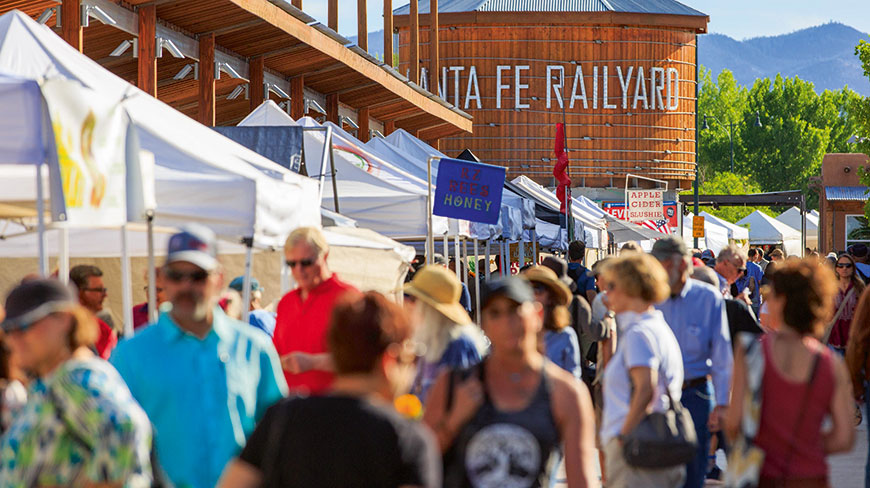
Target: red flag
560	171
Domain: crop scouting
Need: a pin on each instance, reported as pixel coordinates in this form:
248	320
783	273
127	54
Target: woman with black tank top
499	423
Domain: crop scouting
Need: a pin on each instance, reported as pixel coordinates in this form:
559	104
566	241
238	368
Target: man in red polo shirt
303	314
88	281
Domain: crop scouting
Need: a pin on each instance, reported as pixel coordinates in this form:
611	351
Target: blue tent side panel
280	144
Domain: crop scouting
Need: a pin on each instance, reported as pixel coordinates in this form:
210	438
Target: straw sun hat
439	288
546	277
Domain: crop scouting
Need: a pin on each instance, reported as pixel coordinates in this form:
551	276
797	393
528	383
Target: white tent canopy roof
267	114
792	218
735	231
199	175
764	229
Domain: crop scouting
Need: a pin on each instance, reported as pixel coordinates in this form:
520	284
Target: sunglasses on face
302	262
177	276
844	265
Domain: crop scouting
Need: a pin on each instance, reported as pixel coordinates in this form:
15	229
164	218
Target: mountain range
824	55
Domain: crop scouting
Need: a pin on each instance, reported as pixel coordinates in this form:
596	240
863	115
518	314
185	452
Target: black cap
511	287
858	250
560	267
32	300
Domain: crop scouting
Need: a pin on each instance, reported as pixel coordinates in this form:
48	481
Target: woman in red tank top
802	383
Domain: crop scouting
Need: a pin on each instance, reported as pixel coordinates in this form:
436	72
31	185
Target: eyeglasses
98	290
844	265
302	262
158	289
177	276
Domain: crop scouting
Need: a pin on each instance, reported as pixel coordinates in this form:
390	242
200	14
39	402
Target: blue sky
740	19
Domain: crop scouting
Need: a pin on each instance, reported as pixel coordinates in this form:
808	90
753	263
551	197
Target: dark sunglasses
177	276
302	262
844	265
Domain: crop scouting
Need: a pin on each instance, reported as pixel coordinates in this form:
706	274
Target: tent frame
781	198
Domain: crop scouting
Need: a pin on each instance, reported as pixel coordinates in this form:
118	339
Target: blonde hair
308	235
436	331
638	275
84	331
731	253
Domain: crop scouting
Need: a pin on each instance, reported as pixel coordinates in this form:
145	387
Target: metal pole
477	276
445	247
332	169
457	263
246	285
522	249
697	92
487	259
126	284
63	256
327	145
430	239
465	261
803	225
40	222
152	271
534	246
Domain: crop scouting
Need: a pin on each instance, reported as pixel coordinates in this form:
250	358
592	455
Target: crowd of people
631	373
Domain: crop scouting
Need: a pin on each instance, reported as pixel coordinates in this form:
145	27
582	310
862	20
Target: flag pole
568	219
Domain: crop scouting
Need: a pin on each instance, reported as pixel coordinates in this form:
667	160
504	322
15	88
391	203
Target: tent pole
456	253
40	222
63	256
803	225
285	281
327	144
332	170
522	249
152	271
534	246
465	261
503	259
487	259
430	238
477	276
246	287
126	284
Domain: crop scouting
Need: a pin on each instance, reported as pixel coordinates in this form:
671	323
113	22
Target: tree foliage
798	126
859	110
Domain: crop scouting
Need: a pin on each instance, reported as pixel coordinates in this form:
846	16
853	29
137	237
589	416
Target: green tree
859	110
721	102
728	183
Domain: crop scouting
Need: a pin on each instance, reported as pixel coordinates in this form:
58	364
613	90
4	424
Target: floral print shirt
81	424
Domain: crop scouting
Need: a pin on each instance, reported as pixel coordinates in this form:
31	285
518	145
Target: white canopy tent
792	218
268	114
735	232
715	236
764	229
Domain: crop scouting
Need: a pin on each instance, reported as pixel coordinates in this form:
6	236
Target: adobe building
621	73
841	202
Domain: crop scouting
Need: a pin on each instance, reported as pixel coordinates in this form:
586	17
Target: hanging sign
698	226
644	205
469	191
90	135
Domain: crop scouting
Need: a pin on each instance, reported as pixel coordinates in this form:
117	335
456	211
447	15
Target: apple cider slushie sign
644	205
469	191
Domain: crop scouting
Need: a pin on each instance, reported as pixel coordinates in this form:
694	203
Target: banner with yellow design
90	137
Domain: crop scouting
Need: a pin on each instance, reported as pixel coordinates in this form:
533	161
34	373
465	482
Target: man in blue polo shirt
579	273
751	280
203	378
696	313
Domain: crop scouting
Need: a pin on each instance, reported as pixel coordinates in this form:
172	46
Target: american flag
657	225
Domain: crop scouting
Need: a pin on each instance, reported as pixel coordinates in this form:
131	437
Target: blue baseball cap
195	244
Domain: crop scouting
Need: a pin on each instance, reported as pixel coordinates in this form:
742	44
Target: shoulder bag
833	321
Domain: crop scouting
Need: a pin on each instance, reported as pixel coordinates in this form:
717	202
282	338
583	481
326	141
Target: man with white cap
211	378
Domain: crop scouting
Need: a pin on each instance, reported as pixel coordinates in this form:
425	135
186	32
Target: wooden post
256	89
414	66
332	20
71	23
297	4
297	97
434	60
332	108
363	122
388	32
147	74
389	127
362	26
206	80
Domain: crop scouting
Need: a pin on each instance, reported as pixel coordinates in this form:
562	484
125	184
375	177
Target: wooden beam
388	32
147	61
234	27
434	59
362	26
297	97
357	88
414	58
363	122
389	127
325	45
332	21
332	108
206	100
297	4
256	89
71	23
